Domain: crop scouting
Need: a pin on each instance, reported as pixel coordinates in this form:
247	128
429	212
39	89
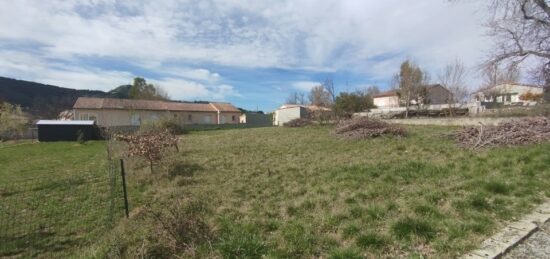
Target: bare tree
296	98
410	81
302	98
292	98
320	96
493	74
453	78
521	30
372	90
328	84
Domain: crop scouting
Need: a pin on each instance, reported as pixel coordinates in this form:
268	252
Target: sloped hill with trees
41	100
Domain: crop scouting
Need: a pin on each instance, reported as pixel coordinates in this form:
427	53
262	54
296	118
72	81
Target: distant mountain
45	101
120	92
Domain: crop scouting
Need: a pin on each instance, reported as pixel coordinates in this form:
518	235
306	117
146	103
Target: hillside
47	101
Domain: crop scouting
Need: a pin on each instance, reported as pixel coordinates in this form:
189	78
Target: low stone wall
459	121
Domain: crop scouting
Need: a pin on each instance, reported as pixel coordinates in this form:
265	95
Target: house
437	94
509	94
386	99
67	130
110	112
288	112
434	94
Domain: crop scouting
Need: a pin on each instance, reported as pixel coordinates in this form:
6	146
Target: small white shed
287	113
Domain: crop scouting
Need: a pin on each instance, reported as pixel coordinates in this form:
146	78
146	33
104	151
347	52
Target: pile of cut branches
509	133
363	127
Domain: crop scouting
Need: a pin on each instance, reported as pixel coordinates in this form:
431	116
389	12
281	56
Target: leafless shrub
179	229
149	145
510	133
363	127
300	122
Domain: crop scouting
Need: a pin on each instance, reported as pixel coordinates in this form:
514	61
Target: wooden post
123	174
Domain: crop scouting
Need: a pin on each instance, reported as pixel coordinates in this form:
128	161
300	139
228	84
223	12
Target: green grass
299	192
54	198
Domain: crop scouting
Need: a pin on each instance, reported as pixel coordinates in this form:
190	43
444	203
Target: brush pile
509	133
363	127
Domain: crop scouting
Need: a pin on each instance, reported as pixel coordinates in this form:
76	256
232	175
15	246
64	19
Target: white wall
386	101
283	116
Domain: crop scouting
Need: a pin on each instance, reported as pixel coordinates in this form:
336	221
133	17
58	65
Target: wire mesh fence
47	215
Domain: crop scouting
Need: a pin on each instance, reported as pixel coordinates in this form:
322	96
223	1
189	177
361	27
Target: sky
250	53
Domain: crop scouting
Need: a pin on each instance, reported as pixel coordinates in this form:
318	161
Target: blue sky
250	53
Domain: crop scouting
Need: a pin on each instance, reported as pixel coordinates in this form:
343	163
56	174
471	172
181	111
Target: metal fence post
123	174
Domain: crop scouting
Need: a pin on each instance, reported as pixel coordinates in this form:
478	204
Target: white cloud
36	68
181	89
366	37
200	74
304	85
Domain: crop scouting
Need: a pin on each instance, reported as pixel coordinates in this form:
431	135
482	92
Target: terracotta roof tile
128	104
386	94
225	107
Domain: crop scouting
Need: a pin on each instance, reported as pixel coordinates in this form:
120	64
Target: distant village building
386	99
109	112
509	94
435	94
288	112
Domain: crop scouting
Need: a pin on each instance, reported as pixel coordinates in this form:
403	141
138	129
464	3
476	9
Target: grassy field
55	198
299	192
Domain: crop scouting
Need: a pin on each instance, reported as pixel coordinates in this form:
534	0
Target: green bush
164	124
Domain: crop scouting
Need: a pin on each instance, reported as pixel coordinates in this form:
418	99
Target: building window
88	116
206	119
189	117
175	115
233	118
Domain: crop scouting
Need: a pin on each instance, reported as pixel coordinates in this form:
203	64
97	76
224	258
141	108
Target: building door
222	119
